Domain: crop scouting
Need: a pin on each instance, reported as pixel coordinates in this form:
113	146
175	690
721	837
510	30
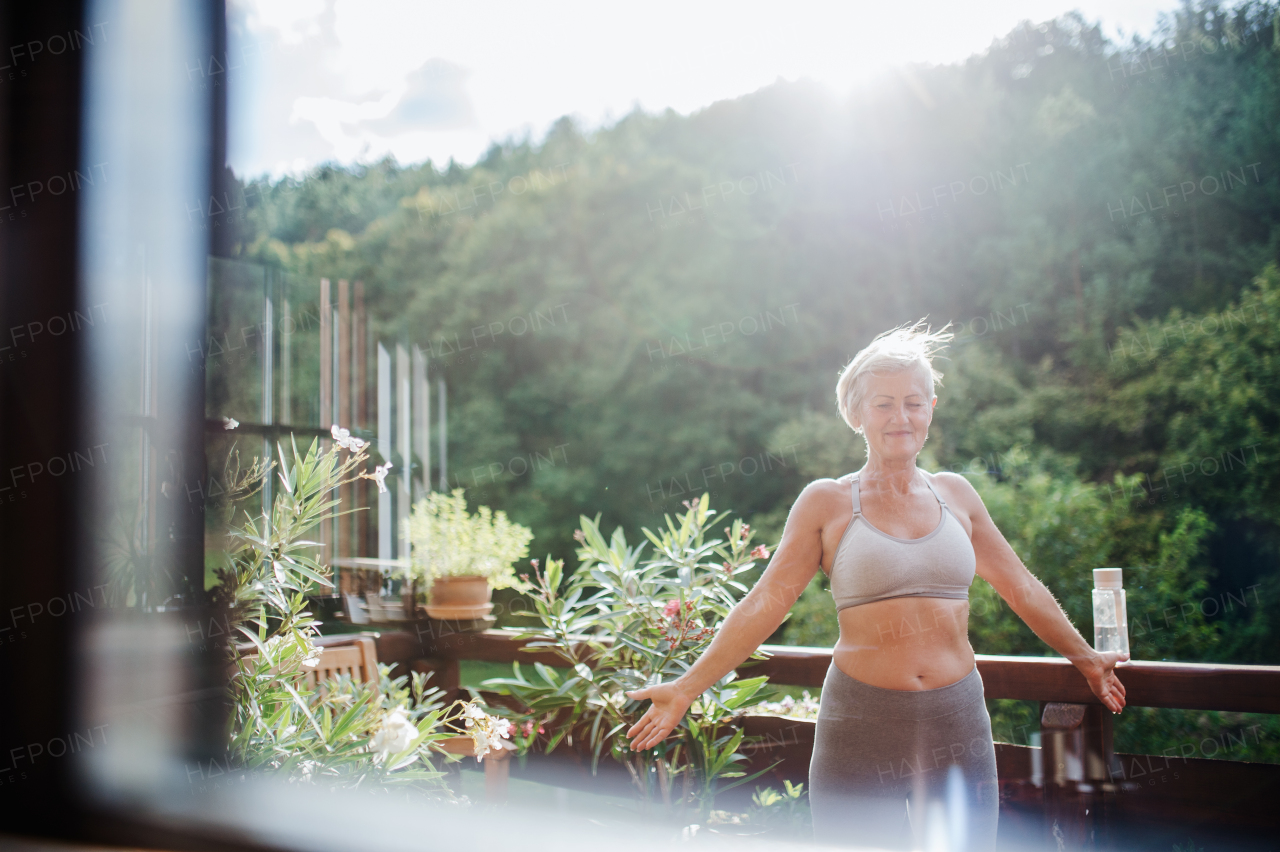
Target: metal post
422	421
326	391
326	357
267	341
334	397
286	366
342	351
360	416
344	524
404	436
444	440
385	520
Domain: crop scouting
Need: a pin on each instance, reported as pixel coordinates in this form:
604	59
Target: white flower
395	735
379	476
282	648
487	732
805	707
230	423
342	437
273	647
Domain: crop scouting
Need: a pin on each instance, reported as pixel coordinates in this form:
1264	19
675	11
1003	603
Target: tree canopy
662	306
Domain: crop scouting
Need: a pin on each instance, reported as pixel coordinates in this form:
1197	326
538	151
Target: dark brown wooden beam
1188	686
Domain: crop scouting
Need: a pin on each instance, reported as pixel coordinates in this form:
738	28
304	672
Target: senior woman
902	706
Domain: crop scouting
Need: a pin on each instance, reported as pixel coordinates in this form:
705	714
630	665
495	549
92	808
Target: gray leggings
881	773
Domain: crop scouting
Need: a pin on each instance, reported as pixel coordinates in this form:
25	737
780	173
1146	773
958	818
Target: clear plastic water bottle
1110	619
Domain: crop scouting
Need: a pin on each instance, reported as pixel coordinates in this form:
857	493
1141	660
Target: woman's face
895	414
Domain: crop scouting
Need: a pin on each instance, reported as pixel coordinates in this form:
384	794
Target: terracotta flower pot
460	598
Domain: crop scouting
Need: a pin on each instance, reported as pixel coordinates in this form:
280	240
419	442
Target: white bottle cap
1108	578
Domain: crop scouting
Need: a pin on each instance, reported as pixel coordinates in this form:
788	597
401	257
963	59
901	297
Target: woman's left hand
1099	670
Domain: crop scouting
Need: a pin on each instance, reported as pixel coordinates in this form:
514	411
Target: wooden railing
1186	686
1072	789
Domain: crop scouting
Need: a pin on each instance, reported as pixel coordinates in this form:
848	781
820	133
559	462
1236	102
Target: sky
352	81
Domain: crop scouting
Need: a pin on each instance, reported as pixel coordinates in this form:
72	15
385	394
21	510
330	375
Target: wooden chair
354	656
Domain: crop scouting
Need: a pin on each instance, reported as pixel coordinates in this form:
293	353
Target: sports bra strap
857	498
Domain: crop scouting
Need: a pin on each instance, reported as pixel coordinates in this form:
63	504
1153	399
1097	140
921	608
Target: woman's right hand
666	711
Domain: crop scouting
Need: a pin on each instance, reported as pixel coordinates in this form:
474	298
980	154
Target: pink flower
671	608
579	536
761	552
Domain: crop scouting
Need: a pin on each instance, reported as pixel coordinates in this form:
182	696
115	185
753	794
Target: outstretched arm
748	624
1032	601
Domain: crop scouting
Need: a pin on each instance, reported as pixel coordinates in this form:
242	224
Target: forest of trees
668	301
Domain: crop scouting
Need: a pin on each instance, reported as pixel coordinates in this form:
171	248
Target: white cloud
294	20
348	79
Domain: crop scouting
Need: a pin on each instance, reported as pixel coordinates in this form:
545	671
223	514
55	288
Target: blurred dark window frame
48	408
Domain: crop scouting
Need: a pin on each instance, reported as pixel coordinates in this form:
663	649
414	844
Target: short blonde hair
902	348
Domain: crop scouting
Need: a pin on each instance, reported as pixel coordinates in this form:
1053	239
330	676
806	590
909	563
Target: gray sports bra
871	565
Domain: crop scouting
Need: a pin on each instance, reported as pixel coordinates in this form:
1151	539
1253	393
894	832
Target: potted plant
626	619
462	557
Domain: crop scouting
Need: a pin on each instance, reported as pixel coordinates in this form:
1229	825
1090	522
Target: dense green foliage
338	733
668	301
627	619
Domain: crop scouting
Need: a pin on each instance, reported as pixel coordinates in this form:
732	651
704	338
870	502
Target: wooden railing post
1062	750
497	771
445	674
497	766
1099	751
1077	751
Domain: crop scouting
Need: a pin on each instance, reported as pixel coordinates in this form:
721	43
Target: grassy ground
473	672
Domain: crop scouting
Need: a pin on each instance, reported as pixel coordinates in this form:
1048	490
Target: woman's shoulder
952	486
823	493
840	483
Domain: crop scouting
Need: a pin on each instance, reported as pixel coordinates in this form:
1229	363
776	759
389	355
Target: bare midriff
905	643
